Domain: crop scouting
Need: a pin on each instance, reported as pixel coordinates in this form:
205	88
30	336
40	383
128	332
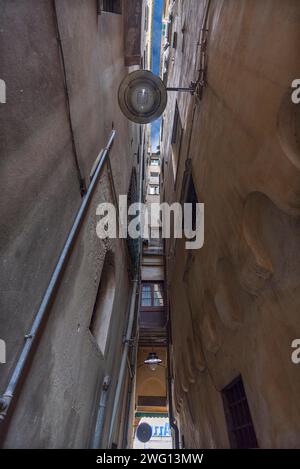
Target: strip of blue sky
157	30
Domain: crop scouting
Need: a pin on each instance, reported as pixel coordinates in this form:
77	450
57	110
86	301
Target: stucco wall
235	302
56	404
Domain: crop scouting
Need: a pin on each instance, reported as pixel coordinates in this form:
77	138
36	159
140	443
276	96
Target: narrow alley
150	224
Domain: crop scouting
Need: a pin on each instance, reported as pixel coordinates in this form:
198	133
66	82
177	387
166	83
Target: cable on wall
82	185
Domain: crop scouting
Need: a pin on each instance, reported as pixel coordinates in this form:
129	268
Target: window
177	127
169	28
238	417
152	296
191	198
103	307
154	174
176	140
146	295
154	189
174	40
154	162
183	31
112	6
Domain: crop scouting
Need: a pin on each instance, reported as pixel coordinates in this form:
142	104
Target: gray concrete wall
56	405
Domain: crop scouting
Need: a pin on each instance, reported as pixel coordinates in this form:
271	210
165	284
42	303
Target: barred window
239	422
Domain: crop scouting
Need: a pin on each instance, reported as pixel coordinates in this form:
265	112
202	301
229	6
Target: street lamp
152	361
143	96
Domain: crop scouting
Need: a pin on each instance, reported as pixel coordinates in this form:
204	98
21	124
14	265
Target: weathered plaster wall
235	302
56	405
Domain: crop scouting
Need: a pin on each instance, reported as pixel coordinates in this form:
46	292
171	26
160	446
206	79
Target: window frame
236	407
111	6
152	307
176	141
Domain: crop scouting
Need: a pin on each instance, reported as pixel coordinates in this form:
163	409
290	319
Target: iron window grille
239	422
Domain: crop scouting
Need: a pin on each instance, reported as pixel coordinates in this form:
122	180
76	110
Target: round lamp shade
144	432
142	96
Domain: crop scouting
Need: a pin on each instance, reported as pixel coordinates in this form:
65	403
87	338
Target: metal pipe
123	361
41	313
133	359
189	90
101	413
131	318
170	400
63	63
169	371
134	351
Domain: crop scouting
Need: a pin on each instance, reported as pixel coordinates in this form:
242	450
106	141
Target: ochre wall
235	303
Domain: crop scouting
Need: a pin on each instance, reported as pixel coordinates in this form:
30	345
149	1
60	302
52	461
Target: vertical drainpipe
133	359
171	413
134	350
101	414
169	371
132	310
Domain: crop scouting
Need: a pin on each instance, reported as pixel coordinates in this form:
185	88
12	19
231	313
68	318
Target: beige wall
235	302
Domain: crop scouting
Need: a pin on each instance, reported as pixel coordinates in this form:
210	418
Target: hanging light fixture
152	361
143	96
